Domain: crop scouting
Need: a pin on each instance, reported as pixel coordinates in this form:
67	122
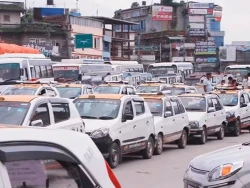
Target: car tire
182	142
221	134
147	153
237	129
203	138
158	145
114	155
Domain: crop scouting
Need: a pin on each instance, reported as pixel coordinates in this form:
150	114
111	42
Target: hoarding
217	33
162	13
200	11
205	48
197	32
201	5
197	25
84	41
227	53
206	60
196	19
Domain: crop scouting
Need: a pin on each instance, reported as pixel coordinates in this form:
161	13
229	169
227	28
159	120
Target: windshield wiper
105	117
88	117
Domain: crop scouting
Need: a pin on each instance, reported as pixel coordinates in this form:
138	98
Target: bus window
37	72
50	71
43	72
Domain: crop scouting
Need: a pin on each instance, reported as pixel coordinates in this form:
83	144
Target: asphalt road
166	170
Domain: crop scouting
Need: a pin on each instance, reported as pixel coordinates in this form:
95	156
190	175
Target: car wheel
220	135
237	129
182	142
147	153
203	138
159	145
114	155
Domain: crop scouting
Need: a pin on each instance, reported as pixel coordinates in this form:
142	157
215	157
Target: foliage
27	18
135	4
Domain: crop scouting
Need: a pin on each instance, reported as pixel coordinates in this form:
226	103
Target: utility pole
139	49
160	52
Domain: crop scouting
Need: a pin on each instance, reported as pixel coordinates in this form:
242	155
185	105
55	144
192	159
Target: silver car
226	168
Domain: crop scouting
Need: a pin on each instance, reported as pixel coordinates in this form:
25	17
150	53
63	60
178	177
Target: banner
162	13
197	32
201	11
196	19
201	5
197	25
227	53
206	60
205	48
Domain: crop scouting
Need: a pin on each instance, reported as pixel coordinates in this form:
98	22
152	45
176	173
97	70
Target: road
166	170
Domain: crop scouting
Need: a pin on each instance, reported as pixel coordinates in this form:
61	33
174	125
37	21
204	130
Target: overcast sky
234	22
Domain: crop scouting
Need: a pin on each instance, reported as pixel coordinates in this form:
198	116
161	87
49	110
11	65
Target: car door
220	113
41	113
244	110
211	117
178	118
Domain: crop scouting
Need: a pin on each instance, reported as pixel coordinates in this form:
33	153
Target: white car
115	88
37	157
237	106
31	110
171	120
151	87
118	124
206	114
179	89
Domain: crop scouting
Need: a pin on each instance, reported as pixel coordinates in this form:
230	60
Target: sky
233	19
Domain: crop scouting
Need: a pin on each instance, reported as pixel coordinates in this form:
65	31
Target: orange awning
13	48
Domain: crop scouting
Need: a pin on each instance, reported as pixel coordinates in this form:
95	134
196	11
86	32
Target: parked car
115	88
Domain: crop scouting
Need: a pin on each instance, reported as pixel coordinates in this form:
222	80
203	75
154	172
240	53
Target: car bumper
194	178
231	124
196	131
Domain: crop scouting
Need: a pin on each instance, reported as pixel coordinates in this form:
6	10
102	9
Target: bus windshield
67	72
161	70
10	71
237	71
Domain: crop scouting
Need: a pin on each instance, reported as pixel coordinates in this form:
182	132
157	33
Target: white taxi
31	110
37	157
207	115
118	124
115	88
72	91
31	89
170	119
151	87
177	89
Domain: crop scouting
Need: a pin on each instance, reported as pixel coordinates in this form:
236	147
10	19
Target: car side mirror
128	117
211	109
243	105
167	114
37	123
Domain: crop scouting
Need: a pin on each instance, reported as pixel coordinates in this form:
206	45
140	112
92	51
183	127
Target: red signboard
162	13
66	68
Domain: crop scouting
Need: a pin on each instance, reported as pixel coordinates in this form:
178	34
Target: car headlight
230	114
225	171
194	124
100	133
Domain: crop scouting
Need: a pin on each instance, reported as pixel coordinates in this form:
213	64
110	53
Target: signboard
84	41
201	5
197	25
183	59
227	53
162	13
45	49
66	68
196	19
197	32
217	33
206	60
200	11
205	48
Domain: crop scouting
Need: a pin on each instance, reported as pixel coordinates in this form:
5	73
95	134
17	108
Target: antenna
97	10
77	5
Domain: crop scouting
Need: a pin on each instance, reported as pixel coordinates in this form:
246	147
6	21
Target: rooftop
102	96
11	6
107	20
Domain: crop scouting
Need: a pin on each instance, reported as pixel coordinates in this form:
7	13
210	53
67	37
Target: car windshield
107	89
13	113
175	90
194	103
147	89
69	92
229	99
191	82
19	91
9	71
155	106
98	108
67	72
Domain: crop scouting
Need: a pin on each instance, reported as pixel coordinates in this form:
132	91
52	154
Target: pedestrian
245	82
234	83
248	80
222	82
230	80
207	83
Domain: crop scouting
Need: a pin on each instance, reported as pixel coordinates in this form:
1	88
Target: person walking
207	83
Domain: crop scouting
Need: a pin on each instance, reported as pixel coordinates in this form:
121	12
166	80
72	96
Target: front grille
198	171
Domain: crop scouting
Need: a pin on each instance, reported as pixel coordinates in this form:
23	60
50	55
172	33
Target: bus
238	71
126	66
32	67
83	61
159	69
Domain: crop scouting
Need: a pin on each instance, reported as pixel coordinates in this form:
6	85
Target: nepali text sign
205	48
201	5
197	32
196	19
162	13
201	11
84	41
206	60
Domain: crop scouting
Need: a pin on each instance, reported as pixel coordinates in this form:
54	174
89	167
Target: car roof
35	86
151	96
102	96
72	85
112	84
18	98
193	95
152	84
226	91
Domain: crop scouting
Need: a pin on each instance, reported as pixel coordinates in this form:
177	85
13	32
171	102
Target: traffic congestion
111	110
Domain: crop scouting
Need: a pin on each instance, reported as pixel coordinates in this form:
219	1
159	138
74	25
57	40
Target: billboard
196	19
217	33
201	11
206	60
205	48
197	32
162	13
201	5
39	13
197	25
227	53
83	41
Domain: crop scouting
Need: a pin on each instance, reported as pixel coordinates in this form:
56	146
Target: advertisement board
197	32
200	11
196	19
162	13
227	53
206	60
201	5
217	33
197	25
205	48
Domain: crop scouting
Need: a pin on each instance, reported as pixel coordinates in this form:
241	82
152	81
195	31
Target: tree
135	4
27	18
166	2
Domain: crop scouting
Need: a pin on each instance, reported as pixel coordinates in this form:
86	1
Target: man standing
207	83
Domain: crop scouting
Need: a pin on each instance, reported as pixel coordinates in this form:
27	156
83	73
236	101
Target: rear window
20	91
107	90
155	106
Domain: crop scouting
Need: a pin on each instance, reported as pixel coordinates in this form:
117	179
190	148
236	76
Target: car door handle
134	126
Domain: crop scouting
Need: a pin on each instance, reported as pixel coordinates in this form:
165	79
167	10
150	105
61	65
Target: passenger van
238	71
126	66
22	67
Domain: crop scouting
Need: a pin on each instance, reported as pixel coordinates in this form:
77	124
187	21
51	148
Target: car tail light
33	79
113	177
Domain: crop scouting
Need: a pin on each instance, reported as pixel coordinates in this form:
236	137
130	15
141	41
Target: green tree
135	4
27	18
